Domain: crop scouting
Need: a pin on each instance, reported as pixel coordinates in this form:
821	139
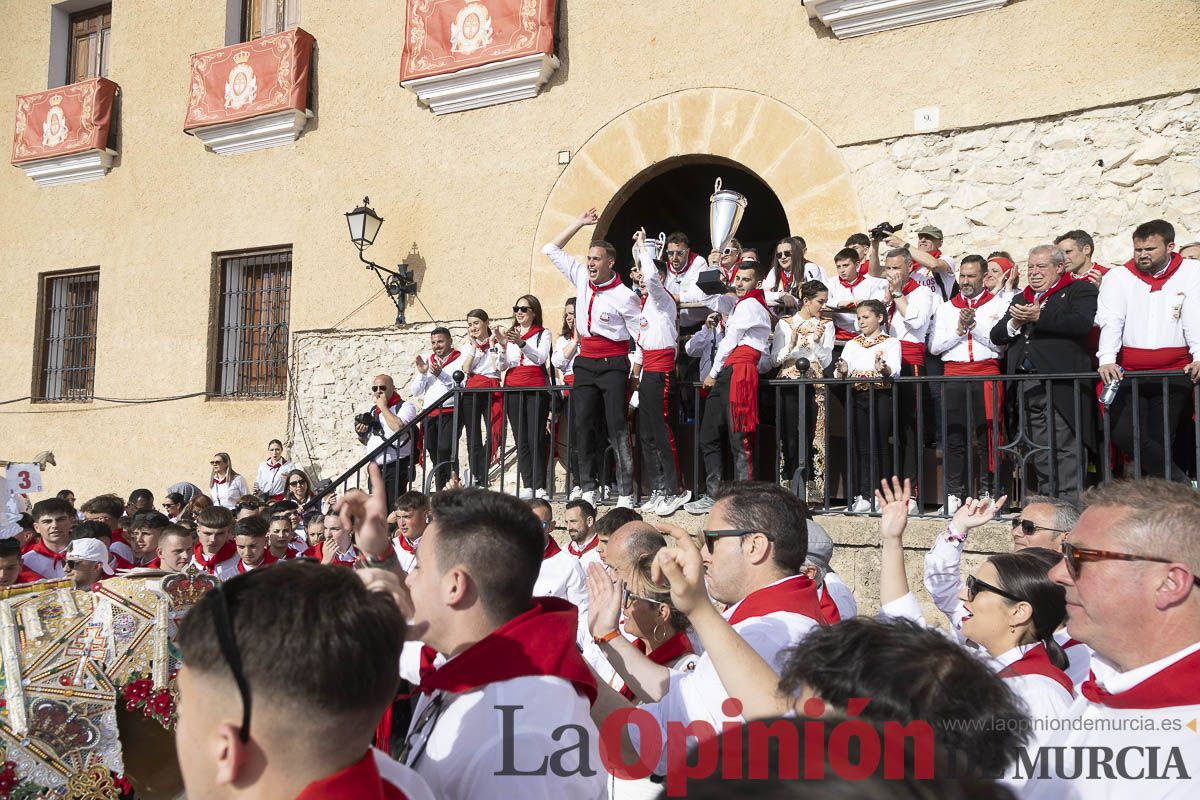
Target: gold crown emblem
241	56
56	99
186	588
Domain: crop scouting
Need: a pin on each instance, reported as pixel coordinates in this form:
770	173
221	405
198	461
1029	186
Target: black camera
883	230
370	420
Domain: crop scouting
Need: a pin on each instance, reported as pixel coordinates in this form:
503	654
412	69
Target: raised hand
682	567
893	498
420	364
973	513
604	601
589	217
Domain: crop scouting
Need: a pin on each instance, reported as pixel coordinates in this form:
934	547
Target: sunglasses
522	309
975	586
216	463
1029	527
377	389
728	251
627	598
297	483
676	253
710	537
1076	556
784	254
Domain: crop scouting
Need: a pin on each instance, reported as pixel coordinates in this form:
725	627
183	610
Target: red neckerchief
1156	283
405	544
267	559
612	283
853	283
664	655
274	466
754	294
539	642
829	609
1036	661
450	357
227	551
1177	685
359	781
1061	283
784	280
552	548
1093	268
118	535
687	262
527	335
934	253
958	301
39	546
394	400
797	594
216	482
578	552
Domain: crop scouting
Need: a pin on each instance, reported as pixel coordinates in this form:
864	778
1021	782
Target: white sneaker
648	507
525	494
625	501
701	505
913	508
859	506
589	498
670	504
542	494
576	493
952	504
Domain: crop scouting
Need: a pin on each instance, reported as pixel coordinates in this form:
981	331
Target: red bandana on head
1156	283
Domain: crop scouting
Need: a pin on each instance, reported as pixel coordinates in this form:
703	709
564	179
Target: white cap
91	550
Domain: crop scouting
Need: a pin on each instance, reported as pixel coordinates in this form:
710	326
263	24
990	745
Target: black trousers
797	455
688	369
872	453
656	413
476	414
716	428
906	430
600	393
395	480
1151	418
527	413
966	448
439	446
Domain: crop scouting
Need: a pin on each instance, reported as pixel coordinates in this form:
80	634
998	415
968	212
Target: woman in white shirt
225	486
527	353
804	335
270	482
566	347
483	413
875	357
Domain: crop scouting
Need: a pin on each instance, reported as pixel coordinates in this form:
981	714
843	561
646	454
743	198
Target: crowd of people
997	364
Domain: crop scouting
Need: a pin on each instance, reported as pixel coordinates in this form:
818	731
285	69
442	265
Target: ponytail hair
1024	574
810	289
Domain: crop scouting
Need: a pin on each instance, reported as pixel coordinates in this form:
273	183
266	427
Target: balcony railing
63	135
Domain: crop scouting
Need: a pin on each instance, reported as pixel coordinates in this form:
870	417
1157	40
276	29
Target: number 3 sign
24	478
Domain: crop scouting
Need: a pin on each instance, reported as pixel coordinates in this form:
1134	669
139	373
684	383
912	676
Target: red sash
1036	661
911	353
527	375
1177	685
842	335
992	406
496	415
829	609
658	360
1161	358
602	347
1061	283
797	595
539	642
579	551
359	781
664	655
552	548
1156	283
743	387
227	551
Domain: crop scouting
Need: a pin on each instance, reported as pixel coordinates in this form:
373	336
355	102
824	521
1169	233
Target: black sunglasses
784	254
1029	527
70	564
229	649
975	586
379	388
627	598
710	537
1076	556
526	309
297	483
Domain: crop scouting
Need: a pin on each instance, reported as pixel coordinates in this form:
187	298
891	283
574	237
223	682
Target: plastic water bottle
1110	392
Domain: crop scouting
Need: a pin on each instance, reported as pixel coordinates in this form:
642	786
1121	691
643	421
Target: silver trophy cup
654	248
725	211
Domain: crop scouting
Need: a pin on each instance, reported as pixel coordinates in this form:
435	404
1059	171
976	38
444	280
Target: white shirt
1045	698
938	282
749	324
412	785
913	324
223	570
612	313
815	342
587	557
697	695
406	557
461	756
842	594
535	353
564	576
228	492
863	288
1130	315
437	389
43	565
559	360
273	481
406	412
976	344
657	327
704	344
860	359
488	362
683	285
812	272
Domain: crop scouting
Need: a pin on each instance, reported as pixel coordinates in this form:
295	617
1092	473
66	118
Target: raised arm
647	680
568	266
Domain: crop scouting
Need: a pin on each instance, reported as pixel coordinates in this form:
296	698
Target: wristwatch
897	294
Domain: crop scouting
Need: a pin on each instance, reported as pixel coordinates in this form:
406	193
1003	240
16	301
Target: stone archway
768	138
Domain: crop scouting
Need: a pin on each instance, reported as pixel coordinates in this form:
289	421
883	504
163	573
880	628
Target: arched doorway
673	195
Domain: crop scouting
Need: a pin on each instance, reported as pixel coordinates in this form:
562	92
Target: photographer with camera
373	427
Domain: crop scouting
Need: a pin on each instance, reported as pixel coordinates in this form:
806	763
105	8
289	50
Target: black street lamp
364	226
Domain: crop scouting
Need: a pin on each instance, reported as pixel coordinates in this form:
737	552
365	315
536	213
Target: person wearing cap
88	562
837	599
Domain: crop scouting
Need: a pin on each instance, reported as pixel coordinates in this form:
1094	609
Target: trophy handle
717	188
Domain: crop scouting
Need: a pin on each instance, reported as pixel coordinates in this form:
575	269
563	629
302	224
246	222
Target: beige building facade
1046	115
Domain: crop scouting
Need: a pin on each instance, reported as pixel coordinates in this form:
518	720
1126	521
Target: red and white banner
58	122
250	79
448	35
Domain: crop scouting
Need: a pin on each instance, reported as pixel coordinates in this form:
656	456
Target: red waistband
482	382
989	366
912	353
658	360
602	347
1162	358
743	354
439	411
569	379
526	375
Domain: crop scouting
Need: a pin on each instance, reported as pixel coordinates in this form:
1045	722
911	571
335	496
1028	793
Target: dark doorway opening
673	196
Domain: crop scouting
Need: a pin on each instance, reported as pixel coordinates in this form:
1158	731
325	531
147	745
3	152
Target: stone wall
1011	187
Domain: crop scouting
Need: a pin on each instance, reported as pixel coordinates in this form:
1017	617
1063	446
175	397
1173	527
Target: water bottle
1110	392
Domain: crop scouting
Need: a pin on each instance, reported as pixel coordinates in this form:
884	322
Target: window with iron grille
67	346
252	327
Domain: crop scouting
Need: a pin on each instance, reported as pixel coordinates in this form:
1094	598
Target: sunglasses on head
522	309
975	586
1029	527
710	537
1076	556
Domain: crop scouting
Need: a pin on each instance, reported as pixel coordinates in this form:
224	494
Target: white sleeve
537	352
780	342
631	314
733	333
565	264
407	413
943	573
824	348
1190	311
722	303
238	487
920	310
420	383
905	607
1110	316
891	355
698	342
815	272
945	329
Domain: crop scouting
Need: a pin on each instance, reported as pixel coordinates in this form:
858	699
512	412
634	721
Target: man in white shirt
1148	312
52	520
434	384
847	290
584	544
1130	572
215	551
962	332
411	515
608	318
389	414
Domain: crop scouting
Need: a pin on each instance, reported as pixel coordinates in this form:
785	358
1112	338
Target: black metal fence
831	440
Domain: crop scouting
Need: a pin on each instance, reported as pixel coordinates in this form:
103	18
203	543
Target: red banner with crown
449	35
250	79
58	122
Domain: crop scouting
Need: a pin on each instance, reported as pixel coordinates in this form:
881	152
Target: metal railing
999	444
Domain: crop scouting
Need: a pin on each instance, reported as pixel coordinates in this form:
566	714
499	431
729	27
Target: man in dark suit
1046	330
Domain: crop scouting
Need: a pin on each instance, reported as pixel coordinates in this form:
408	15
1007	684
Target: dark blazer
1057	343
